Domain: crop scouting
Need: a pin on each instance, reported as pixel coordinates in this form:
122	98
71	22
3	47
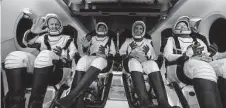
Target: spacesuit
194	58
100	48
218	61
53	46
139	57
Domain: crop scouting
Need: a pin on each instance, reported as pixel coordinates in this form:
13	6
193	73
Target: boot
140	89
207	93
39	86
83	84
15	97
222	89
14	101
156	81
77	77
2	93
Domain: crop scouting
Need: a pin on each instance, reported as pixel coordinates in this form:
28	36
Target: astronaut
192	54
218	61
138	58
54	47
100	49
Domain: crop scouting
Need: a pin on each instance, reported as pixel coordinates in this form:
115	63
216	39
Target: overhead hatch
118	7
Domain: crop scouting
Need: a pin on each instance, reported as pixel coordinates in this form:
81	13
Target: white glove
38	25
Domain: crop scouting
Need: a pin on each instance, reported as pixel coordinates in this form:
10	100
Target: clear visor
54	24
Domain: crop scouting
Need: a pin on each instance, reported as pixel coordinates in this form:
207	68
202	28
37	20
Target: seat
66	70
126	77
97	93
182	81
62	72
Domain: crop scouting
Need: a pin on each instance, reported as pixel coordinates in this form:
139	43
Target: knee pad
199	69
20	59
83	63
45	59
99	63
135	65
150	66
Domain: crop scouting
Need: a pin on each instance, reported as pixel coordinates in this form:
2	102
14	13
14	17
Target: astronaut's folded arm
122	52
30	38
27	34
219	55
168	51
172	57
123	48
205	51
85	43
151	53
72	50
112	48
111	54
72	54
222	55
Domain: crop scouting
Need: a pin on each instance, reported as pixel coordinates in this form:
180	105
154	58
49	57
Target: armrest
35	45
159	61
179	61
76	58
61	64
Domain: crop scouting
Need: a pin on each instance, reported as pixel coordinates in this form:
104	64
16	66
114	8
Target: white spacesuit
193	56
53	46
140	62
139	57
101	48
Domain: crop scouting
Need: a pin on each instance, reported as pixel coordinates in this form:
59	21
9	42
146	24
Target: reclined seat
127	80
183	81
97	93
59	74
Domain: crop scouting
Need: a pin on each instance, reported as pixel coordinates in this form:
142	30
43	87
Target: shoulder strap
108	42
68	43
46	42
199	36
177	45
194	39
127	52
